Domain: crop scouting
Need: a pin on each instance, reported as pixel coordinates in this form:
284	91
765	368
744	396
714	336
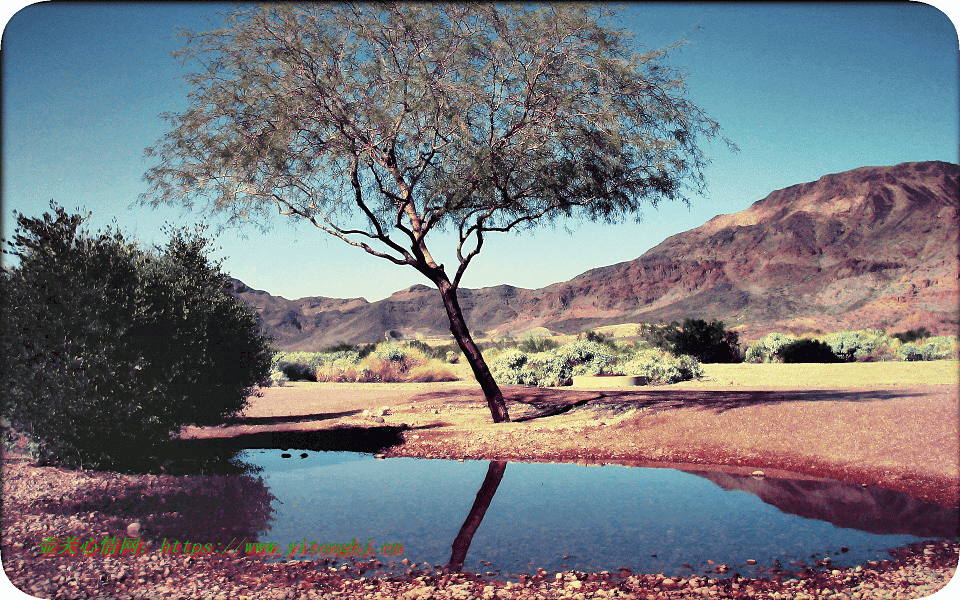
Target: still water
526	516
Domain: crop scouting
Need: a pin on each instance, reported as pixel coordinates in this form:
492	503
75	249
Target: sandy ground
893	425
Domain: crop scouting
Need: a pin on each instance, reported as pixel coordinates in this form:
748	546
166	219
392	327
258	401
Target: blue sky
803	89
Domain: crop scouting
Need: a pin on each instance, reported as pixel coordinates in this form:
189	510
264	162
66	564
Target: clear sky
803	89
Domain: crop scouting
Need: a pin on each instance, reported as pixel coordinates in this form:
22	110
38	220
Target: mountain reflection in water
514	518
874	510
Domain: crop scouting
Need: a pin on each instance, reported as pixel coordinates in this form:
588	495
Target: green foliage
707	342
658	336
807	351
860	346
661	367
912	335
767	348
294	371
582	357
110	349
934	348
533	345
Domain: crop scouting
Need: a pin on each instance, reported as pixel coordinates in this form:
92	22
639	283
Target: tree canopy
379	123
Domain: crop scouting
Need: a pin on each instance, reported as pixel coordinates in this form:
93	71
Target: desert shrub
296	371
807	351
909	352
277	378
507	365
554	368
533	345
365	350
339	347
661	367
432	371
109	349
707	342
912	335
583	357
935	348
860	346
767	348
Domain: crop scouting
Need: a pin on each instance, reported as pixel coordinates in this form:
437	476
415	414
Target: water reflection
209	509
557	516
461	545
874	510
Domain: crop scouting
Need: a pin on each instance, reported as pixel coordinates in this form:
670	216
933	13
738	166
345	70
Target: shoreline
901	437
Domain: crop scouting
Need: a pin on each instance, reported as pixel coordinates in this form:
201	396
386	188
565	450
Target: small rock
668	584
378	420
133	529
383	411
751	562
757	473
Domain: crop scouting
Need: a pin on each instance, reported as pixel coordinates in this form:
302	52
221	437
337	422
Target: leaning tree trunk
458	327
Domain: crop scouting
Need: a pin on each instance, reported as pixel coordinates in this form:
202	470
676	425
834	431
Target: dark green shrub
912	335
707	342
657	335
297	371
109	349
365	350
808	351
532	345
339	347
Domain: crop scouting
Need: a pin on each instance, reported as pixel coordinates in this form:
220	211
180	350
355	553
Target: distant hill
872	247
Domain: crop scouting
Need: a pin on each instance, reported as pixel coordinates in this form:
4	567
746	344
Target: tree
707	342
110	349
380	124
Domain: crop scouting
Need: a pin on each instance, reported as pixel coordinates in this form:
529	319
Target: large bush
109	349
661	367
767	348
934	348
707	342
807	351
861	346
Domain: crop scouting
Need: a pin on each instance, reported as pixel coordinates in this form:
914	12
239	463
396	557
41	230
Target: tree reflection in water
461	545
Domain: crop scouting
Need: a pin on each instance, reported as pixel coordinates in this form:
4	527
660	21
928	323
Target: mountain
872	247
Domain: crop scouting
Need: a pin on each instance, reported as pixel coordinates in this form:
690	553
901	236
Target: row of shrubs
558	366
850	346
389	362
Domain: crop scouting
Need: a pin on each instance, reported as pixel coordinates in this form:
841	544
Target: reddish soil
902	438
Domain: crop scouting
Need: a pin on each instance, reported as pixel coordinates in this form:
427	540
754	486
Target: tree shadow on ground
347	438
551	401
276	420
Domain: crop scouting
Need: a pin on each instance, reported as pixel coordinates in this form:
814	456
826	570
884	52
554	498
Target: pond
510	518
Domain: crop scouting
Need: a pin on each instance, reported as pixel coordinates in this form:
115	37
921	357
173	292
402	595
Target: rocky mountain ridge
872	247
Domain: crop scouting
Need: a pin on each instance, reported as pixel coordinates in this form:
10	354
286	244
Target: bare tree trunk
461	545
458	327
